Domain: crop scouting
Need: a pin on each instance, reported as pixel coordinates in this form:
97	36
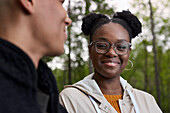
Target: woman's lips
112	63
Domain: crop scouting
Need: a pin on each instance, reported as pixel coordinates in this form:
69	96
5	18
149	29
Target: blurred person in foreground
105	91
29	30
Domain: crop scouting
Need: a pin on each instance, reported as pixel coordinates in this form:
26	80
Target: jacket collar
90	87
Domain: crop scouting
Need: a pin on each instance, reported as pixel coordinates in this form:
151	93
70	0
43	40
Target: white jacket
85	96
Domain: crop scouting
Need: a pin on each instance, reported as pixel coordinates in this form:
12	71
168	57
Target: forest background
150	50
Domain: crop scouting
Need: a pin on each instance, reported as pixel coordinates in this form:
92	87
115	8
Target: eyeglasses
120	48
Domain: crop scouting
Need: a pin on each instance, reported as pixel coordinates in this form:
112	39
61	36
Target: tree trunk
87	6
155	54
87	12
146	67
69	46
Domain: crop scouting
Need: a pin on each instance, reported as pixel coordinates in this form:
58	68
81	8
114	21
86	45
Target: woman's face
110	64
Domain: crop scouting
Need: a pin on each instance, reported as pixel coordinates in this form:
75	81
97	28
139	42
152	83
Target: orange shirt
113	100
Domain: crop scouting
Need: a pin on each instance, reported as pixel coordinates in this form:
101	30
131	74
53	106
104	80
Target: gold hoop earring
127	69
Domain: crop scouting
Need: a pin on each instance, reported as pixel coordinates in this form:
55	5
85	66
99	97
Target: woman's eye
102	46
121	47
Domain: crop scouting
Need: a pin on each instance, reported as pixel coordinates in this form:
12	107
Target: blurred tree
161	34
69	47
155	53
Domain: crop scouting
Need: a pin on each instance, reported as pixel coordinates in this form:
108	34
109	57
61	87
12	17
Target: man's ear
28	5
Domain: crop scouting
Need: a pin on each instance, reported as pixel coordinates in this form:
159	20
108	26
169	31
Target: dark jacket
20	81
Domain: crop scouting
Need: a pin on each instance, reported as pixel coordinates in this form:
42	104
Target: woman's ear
28	5
89	51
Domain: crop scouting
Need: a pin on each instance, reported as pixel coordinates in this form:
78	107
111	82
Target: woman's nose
111	52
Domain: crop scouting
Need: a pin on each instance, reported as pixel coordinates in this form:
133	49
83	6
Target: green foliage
78	73
162	28
47	59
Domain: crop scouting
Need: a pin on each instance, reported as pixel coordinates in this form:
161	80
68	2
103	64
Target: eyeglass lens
120	48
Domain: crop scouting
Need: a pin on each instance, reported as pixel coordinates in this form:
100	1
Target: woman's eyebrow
121	40
102	38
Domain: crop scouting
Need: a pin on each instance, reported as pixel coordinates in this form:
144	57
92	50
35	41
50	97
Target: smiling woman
109	49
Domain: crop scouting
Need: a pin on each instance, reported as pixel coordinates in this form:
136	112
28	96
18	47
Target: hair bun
89	21
131	20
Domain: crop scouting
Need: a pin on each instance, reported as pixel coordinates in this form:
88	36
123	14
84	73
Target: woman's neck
109	86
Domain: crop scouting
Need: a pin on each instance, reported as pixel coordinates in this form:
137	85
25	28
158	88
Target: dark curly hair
125	18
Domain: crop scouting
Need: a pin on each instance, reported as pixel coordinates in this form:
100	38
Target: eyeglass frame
111	45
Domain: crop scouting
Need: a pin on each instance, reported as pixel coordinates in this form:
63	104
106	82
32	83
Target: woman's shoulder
75	101
73	91
69	90
86	86
138	92
141	93
146	99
